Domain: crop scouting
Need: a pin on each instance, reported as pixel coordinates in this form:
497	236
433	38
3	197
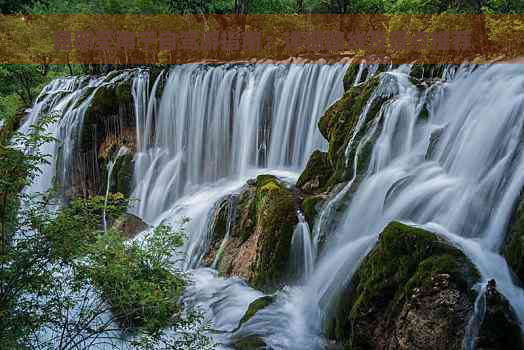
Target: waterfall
121	152
67	100
216	122
203	130
231	211
454	187
302	252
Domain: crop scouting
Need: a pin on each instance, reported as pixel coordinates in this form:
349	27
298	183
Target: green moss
317	169
405	258
220	223
350	75
255	306
245	214
310	205
252	342
338	123
123	174
123	92
121	178
513	249
276	219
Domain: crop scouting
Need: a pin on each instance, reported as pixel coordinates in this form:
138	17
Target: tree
64	283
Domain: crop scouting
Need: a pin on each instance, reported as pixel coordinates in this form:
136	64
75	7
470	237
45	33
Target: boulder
413	291
500	328
129	225
260	235
513	249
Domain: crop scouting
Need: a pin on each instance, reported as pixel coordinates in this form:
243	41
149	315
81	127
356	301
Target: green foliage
272	6
101	6
62	277
138	281
75	227
22	80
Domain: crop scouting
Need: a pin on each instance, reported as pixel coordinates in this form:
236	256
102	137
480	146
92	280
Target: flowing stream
202	131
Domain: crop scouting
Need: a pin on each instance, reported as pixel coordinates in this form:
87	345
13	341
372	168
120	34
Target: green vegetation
255	306
63	276
513	249
261	6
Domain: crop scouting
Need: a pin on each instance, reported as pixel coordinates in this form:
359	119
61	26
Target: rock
129	225
219	228
337	126
421	72
500	327
311	206
109	123
413	291
259	244
315	176
513	249
249	343
255	306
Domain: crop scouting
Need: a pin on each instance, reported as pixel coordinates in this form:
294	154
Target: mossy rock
350	75
311	206
338	124
129	225
218	232
252	342
258	249
513	249
408	265
500	328
276	219
122	176
315	176
255	306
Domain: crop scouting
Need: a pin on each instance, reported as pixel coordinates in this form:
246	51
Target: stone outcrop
513	249
109	123
260	234
129	225
500	328
413	291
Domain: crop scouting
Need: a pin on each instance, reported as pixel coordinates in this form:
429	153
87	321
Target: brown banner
149	39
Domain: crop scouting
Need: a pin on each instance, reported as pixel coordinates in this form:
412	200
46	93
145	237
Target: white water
462	187
215	127
302	255
66	100
219	122
121	152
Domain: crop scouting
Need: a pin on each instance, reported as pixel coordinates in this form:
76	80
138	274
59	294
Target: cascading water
456	172
453	187
302	252
219	122
66	100
110	166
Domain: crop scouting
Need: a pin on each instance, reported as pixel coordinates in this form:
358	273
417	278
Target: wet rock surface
412	291
260	237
